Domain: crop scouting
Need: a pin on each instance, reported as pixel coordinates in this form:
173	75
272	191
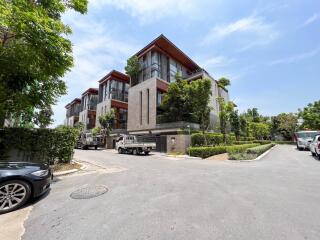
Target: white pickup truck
130	144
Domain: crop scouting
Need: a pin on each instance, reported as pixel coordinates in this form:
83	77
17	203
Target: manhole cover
89	192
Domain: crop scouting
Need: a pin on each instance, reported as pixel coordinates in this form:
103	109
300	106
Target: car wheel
13	194
95	147
313	154
120	150
146	153
134	152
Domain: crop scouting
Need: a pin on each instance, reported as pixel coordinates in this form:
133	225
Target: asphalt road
156	197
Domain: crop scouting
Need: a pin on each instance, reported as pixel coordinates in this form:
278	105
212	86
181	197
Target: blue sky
270	50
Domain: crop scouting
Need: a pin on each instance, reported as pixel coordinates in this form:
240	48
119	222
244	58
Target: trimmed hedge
205	152
38	145
262	141
242	142
247	139
259	149
250	153
213	139
284	142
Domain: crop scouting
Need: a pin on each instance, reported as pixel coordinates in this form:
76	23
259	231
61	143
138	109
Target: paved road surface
155	197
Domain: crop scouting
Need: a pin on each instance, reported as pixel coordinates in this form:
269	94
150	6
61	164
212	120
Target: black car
20	181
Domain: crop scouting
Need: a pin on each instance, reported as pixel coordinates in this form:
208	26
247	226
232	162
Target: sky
270	50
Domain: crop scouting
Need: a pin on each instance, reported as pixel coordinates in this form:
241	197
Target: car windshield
307	134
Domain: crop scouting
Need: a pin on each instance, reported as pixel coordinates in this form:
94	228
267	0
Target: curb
62	173
256	159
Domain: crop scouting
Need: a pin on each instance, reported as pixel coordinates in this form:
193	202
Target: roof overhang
164	45
90	90
114	74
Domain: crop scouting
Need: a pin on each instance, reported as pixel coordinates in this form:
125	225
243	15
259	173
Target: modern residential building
73	110
136	101
160	61
113	93
87	113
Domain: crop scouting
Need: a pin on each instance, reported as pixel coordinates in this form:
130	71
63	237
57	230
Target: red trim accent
115	75
165	45
118	104
90	90
162	86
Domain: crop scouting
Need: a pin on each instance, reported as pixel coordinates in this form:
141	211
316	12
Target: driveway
156	197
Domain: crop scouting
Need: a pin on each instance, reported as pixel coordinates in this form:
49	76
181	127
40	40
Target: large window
159	98
174	69
118	90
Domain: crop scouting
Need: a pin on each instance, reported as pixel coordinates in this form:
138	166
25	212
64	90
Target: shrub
213	139
247	138
38	145
205	152
240	148
284	142
259	149
242	142
262	141
242	156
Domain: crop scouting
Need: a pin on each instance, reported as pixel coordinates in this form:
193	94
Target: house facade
73	110
136	101
160	61
113	94
89	101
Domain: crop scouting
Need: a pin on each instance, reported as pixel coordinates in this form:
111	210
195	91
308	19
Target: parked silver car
304	138
315	146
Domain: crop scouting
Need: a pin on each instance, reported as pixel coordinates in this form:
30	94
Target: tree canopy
34	55
187	101
223	82
311	116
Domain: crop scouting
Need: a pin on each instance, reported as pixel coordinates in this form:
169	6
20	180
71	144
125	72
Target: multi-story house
113	94
160	61
87	113
73	110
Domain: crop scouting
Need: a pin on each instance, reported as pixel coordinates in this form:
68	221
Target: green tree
133	68
223	82
226	109
284	124
96	131
311	116
34	54
187	101
235	123
107	121
260	130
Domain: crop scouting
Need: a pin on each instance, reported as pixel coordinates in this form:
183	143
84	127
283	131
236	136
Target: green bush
212	139
262	141
259	149
240	148
250	153
284	142
242	142
242	156
38	145
205	152
247	138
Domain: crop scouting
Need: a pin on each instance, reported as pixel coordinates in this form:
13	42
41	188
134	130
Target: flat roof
165	45
91	90
76	100
115	74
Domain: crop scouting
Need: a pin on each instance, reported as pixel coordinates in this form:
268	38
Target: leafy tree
187	101
107	121
133	68
223	82
34	54
284	124
96	131
235	123
244	126
226	109
260	130
43	117
79	126
311	116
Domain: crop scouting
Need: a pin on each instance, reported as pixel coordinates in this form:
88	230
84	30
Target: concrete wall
178	143
134	106
102	108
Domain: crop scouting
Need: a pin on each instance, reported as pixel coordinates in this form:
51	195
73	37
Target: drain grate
89	192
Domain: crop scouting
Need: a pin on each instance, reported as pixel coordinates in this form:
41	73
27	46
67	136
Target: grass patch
59	167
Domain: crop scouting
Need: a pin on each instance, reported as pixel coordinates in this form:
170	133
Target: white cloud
147	11
96	51
311	19
295	58
254	30
215	62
